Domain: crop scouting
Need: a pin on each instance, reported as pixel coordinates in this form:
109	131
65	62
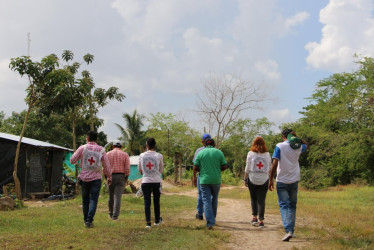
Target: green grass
61	226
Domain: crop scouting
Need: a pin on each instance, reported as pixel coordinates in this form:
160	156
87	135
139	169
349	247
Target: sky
158	52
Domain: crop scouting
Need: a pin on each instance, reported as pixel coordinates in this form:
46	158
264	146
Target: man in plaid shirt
91	156
120	165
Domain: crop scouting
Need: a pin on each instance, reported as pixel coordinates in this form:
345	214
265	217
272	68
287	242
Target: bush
228	178
315	179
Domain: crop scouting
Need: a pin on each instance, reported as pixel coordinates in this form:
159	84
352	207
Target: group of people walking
208	162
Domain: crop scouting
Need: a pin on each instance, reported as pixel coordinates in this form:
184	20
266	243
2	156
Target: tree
173	136
338	124
37	90
223	100
132	134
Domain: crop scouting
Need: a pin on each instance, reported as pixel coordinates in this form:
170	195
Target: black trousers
148	189
258	196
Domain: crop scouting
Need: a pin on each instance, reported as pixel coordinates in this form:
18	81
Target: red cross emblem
259	165
92	161
149	165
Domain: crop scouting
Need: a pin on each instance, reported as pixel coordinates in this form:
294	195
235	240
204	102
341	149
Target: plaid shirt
86	175
119	161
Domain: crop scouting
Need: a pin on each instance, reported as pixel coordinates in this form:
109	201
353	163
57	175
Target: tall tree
132	133
223	99
38	89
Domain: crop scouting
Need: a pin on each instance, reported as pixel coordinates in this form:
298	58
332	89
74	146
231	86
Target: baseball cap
205	136
117	143
295	142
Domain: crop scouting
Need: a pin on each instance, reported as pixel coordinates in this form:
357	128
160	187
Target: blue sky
158	52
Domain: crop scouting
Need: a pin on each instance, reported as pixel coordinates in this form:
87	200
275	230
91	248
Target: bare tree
224	98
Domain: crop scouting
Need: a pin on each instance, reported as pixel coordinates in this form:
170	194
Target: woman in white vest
256	178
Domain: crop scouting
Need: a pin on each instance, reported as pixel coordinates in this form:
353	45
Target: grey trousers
115	194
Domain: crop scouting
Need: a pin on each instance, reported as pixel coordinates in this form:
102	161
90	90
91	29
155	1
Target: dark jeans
258	196
148	189
90	195
115	194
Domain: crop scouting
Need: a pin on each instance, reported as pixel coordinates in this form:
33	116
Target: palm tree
132	134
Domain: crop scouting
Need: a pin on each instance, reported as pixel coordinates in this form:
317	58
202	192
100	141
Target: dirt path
234	217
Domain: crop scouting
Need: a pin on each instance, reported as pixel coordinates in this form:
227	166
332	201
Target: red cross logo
259	165
92	161
149	165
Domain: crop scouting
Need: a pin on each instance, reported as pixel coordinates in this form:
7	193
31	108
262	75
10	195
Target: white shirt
151	164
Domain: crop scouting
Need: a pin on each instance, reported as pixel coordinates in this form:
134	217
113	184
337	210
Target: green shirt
210	161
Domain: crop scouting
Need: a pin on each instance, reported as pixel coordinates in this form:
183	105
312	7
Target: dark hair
151	143
92	135
258	145
286	131
209	142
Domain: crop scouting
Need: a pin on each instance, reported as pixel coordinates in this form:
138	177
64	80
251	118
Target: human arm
107	171
272	173
195	170
140	165
77	155
245	179
302	141
127	164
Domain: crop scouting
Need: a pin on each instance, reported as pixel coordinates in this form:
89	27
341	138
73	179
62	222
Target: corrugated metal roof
32	142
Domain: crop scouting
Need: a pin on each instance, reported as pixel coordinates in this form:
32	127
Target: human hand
271	185
109	181
194	180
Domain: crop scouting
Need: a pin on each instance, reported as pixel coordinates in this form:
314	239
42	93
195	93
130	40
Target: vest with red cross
91	160
150	164
259	164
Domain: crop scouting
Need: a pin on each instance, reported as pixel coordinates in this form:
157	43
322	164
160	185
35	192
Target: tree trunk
17	184
75	149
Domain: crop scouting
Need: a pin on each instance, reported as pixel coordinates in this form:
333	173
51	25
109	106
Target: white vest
91	160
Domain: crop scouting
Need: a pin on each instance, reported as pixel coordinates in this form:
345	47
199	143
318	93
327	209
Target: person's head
209	142
151	143
117	144
258	145
204	137
91	136
285	133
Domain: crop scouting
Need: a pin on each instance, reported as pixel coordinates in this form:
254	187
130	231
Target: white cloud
295	20
269	69
348	29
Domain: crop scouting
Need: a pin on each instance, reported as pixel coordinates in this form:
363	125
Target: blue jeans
287	200
210	200
90	196
200	205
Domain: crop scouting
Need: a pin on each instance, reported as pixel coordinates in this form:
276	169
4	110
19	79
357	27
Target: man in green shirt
210	162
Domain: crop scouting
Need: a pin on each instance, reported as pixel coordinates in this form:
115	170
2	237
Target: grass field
338	218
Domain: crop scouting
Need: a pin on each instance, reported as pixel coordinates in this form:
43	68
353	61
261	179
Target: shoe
148	225
210	228
159	222
293	235
115	219
89	224
254	222
261	225
287	236
199	217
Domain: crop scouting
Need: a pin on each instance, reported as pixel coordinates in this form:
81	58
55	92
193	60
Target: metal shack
40	164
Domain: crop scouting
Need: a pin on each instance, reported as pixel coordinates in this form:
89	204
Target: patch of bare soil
39	203
234	217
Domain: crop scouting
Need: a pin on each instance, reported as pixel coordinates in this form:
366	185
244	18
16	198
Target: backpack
295	142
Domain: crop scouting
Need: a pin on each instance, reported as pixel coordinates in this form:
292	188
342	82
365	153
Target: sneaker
254	222
148	225
115	219
199	217
159	222
89	224
261	225
287	236
210	228
293	235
